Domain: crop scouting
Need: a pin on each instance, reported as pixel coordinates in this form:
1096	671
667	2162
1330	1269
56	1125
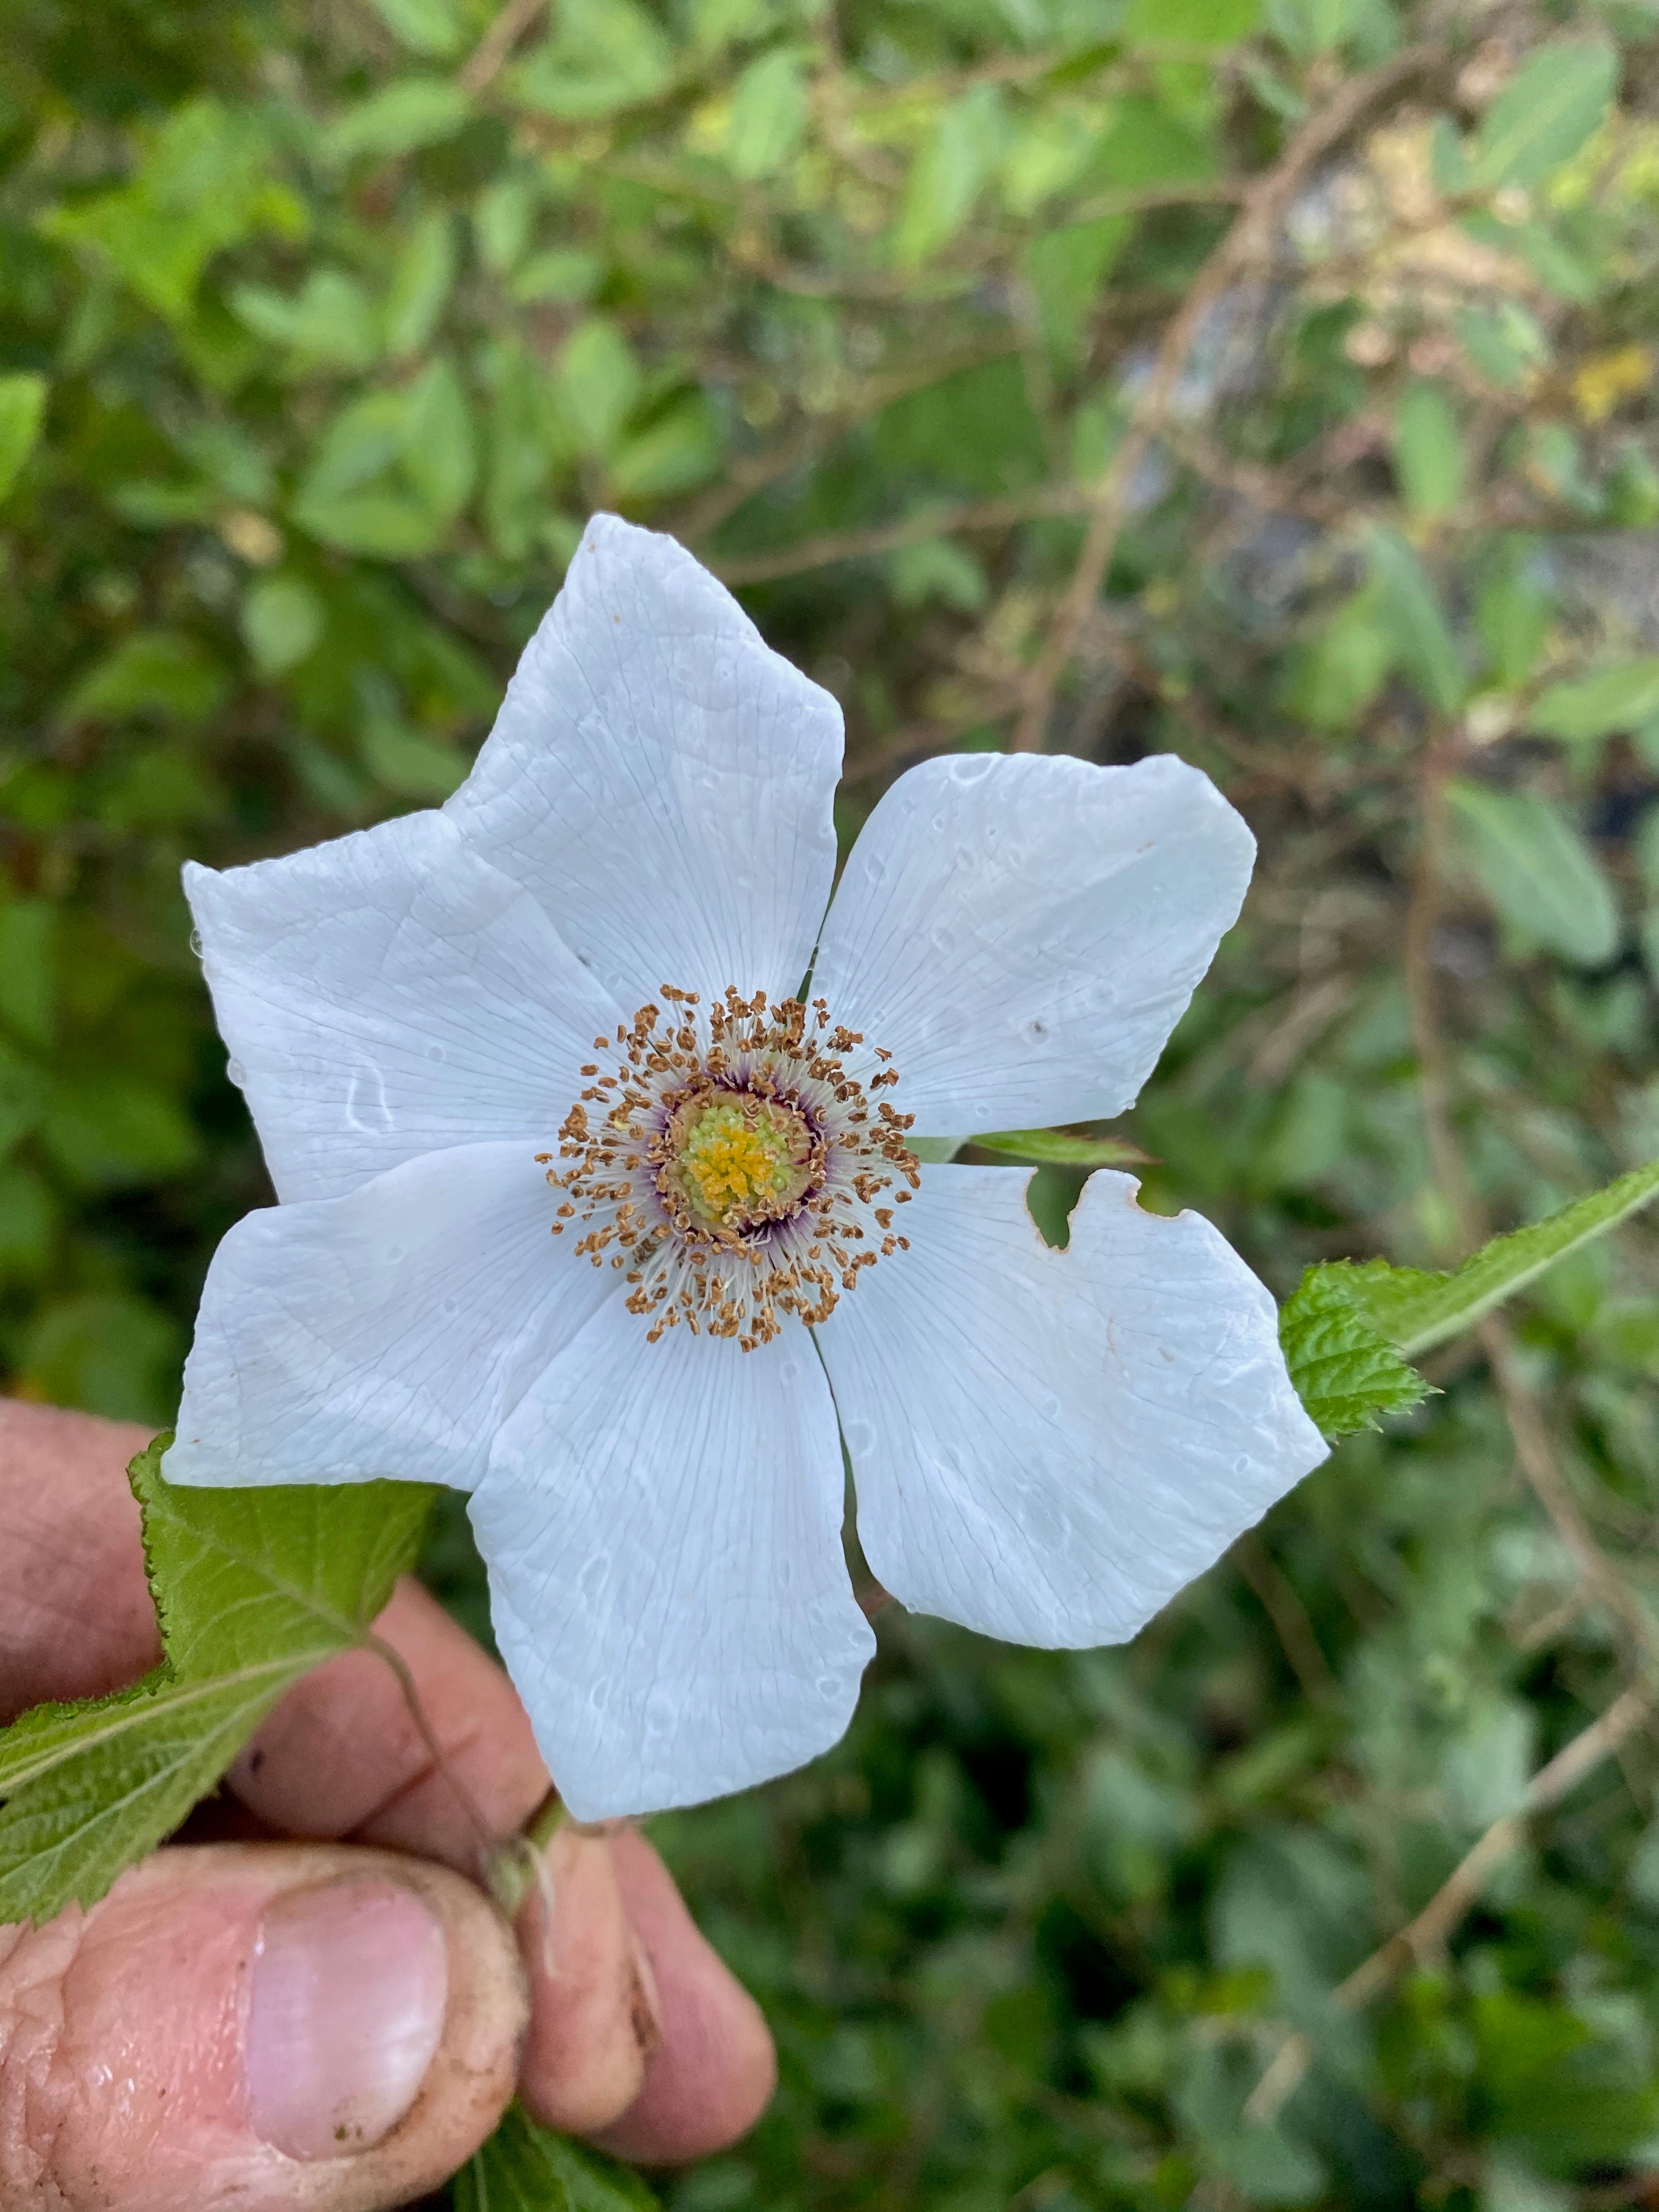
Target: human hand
334	2020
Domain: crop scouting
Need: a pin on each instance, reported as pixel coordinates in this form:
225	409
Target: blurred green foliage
325	328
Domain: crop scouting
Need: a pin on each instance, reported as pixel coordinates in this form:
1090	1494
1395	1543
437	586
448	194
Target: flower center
737	1162
740	1161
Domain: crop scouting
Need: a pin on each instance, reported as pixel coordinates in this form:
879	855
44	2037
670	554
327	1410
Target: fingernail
345	2014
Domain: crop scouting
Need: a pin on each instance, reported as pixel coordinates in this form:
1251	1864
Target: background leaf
1554	101
527	2168
1621	697
1538	871
23	408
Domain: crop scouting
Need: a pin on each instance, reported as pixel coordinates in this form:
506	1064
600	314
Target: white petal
662	1525
1022	933
387	995
1047	1445
662	781
386	1333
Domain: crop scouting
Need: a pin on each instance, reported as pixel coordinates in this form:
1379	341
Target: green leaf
949	173
112	1130
1344	1369
1066	268
1190	22
253	1587
22	1098
562	272
409	762
1538	870
285	1571
28	967
421	283
527	2168
1410	612
202	187
439	454
1512	614
600	381
87	1790
1337	674
768	114
283	622
1622	697
1418	1310
152	672
23	409
399	118
1063	1148
425	27
680	449
1428	449
328	322
103	1352
1351	1330
606	54
1556	101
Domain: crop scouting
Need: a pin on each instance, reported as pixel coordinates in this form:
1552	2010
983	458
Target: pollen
736	1163
742	1160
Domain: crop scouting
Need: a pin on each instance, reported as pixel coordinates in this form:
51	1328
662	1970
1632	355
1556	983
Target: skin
120	2068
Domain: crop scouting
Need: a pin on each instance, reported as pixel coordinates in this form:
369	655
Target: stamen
730	1162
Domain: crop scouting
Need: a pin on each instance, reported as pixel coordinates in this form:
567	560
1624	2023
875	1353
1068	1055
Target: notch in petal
1048	1444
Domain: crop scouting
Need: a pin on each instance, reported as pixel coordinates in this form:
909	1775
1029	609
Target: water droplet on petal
860	1437
236	1072
594	1575
969	768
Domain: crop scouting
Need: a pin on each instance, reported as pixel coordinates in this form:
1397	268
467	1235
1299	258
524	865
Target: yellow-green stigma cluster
735	1162
740	1161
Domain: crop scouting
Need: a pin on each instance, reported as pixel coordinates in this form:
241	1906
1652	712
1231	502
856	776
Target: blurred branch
832	545
1261	212
489	57
1422	1936
1284	1607
743	478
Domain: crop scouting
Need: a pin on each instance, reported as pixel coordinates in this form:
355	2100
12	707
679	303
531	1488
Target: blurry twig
744	477
1539	1465
1284	1607
1422	1936
1260	212
488	58
832	545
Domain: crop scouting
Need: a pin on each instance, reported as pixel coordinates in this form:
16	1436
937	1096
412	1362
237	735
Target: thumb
278	2026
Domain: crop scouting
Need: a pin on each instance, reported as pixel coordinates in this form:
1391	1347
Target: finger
714	2070
306	2029
343	1756
75	1617
592	2018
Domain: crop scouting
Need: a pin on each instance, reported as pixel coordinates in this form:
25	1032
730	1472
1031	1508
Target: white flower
1046	1444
